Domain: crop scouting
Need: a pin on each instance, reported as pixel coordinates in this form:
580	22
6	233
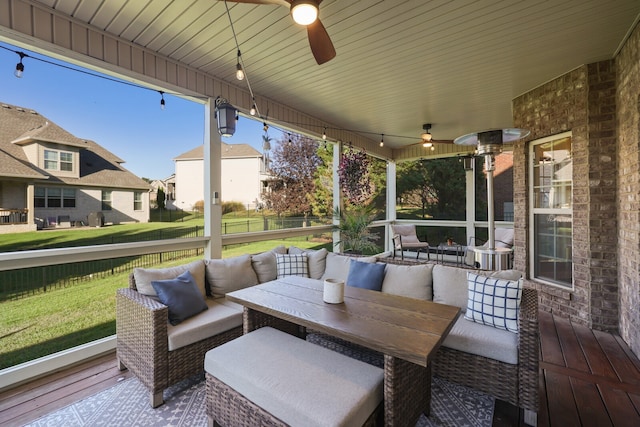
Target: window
137	201
68	198
551	173
106	200
54	197
58	160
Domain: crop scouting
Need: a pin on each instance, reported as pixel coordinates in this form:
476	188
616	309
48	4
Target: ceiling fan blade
278	2
320	42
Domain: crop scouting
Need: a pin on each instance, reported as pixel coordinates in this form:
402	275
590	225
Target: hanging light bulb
324	133
382	140
253	107
239	70
20	65
304	12
162	103
265	126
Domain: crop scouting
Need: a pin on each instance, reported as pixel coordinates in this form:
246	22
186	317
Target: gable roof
98	167
229	151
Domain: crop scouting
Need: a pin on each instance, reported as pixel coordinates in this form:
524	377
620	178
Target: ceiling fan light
304	12
427	144
426	136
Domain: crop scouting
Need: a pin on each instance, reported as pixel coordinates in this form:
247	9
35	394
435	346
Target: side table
445	248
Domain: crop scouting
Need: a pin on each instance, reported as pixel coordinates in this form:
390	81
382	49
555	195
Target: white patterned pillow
494	302
292	265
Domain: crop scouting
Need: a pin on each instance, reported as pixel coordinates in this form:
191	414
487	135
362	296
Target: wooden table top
407	328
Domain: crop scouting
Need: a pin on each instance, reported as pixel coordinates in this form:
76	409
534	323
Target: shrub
228	207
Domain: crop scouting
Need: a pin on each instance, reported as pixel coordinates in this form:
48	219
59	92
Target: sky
126	120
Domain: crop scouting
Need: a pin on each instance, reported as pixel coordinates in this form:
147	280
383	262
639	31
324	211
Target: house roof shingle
229	151
98	166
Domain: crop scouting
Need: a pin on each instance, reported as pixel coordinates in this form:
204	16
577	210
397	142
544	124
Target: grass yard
47	322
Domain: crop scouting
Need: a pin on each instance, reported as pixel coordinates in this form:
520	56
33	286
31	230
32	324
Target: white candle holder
333	291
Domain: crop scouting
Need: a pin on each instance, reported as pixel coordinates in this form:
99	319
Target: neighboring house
243	173
50	178
168	186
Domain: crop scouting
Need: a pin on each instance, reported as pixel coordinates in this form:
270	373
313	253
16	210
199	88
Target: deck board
587	378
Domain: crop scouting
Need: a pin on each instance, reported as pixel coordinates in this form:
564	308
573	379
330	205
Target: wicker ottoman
268	377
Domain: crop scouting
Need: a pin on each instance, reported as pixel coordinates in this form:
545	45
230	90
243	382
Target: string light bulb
239	70
265	126
253	109
20	65
382	140
324	134
162	103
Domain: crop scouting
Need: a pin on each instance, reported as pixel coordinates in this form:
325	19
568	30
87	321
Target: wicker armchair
515	384
142	343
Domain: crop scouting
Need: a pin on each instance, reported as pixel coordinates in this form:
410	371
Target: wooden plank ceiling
399	64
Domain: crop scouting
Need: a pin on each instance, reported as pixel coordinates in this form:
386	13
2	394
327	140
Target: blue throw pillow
365	275
181	295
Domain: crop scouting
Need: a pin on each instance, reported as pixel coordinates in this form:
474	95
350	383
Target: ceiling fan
427	140
305	12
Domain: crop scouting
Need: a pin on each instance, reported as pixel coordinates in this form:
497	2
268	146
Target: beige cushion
337	266
316	258
300	383
450	286
144	276
217	319
483	340
414	281
264	264
230	274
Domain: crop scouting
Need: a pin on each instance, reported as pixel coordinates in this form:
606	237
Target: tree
160	198
294	162
437	186
322	200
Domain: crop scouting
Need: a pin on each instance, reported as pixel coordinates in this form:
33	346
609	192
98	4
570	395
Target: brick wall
628	195
556	107
600	104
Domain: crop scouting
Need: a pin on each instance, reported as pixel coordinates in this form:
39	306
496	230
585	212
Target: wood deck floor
589	378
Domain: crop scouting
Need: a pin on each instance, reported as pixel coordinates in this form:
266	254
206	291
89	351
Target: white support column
212	183
470	180
391	204
31	216
337	195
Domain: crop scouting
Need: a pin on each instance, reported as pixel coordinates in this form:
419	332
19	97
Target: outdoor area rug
127	404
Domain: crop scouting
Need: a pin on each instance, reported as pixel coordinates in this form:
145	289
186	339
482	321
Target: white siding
189	183
241	182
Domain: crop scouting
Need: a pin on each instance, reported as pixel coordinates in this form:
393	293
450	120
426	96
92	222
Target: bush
228	207
199	206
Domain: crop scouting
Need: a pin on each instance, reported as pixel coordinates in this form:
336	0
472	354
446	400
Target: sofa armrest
529	350
141	336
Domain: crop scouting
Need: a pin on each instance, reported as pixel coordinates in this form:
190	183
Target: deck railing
13	216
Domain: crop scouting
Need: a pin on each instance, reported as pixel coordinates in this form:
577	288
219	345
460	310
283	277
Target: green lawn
61	318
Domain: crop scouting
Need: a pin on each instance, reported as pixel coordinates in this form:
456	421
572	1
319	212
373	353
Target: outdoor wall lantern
226	115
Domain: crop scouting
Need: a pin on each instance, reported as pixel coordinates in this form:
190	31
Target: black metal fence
28	281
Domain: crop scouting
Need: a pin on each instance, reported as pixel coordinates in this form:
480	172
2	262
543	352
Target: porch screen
551	201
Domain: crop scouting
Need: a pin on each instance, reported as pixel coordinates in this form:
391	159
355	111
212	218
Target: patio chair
503	239
405	237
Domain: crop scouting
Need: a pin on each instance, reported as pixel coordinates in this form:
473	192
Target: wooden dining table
407	331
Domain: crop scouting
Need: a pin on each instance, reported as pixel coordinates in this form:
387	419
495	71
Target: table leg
254	319
407	391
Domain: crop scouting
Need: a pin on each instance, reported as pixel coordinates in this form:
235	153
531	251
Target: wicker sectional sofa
498	362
